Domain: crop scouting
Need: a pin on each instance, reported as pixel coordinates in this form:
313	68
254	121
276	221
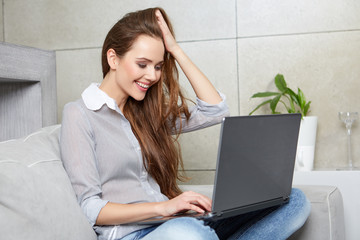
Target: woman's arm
203	88
114	213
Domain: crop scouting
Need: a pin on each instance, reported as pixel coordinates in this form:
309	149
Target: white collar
94	98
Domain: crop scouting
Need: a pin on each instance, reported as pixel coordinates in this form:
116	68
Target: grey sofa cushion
36	197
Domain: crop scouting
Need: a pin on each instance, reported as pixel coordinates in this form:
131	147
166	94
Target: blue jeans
271	223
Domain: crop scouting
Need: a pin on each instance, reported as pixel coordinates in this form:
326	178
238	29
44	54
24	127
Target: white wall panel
1	22
61	24
75	71
83	24
202	19
262	17
199	177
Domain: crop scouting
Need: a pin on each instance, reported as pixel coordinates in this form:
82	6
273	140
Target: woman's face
140	67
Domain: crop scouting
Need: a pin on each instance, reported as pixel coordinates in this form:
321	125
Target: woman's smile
142	86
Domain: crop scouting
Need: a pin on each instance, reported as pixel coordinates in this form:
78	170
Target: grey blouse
103	158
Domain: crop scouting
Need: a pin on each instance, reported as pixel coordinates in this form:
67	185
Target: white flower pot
306	144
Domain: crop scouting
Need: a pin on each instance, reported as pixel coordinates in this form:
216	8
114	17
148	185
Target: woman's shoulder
74	108
74	115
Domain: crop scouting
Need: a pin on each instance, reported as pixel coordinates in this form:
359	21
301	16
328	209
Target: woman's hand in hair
184	202
169	40
203	88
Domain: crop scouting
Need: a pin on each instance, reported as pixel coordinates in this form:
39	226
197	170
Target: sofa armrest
326	220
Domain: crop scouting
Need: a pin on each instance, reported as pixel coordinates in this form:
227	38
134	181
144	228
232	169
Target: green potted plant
294	103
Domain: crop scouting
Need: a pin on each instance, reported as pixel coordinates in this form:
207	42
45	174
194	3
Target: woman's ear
112	58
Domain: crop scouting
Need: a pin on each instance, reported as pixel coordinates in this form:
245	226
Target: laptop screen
256	159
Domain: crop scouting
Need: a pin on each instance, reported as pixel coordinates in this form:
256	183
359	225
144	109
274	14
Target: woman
118	142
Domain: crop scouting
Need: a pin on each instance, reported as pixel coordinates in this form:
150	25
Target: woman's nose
152	74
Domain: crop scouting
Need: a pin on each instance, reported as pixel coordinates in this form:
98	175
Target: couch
37	200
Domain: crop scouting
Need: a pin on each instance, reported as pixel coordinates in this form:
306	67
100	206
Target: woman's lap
272	223
182	228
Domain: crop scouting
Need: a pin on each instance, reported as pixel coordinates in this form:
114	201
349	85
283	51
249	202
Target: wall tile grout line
299	34
186	41
199	170
224	39
75	49
207	40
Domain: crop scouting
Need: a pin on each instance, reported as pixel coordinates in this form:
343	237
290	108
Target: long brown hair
153	119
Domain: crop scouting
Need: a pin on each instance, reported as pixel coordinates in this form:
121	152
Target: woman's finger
163	26
169	39
199	200
196	208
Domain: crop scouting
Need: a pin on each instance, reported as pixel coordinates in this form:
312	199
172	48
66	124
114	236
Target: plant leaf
292	95
291	99
290	110
302	100
280	83
260	105
264	94
306	108
274	103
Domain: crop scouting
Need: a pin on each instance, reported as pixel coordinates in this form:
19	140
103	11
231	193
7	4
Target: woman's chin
139	97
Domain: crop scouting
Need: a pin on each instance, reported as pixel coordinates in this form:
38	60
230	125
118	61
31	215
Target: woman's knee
300	206
298	200
282	222
183	228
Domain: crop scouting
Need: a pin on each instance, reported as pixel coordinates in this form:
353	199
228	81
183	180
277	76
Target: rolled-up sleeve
77	145
204	115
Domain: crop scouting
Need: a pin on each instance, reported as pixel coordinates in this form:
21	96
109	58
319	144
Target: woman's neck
109	86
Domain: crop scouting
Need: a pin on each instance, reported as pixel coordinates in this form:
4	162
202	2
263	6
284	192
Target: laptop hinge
250	208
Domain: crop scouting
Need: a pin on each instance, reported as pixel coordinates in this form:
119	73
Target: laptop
255	165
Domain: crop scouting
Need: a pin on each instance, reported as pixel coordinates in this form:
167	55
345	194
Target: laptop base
212	217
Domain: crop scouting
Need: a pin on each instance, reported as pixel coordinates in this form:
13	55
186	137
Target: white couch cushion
36	197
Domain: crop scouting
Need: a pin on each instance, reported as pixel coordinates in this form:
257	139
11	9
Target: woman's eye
159	67
141	65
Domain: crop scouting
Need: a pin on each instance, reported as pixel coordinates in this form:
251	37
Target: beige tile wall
1	22
239	44
276	17
76	69
83	24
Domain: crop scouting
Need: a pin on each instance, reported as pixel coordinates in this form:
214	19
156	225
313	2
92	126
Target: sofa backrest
36	197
